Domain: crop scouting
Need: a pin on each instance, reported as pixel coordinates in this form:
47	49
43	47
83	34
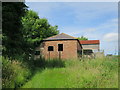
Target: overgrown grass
94	73
16	73
51	63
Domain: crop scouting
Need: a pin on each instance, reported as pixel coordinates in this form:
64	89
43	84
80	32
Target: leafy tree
35	29
11	24
82	38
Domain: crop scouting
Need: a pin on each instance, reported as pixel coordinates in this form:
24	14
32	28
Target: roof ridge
69	35
52	36
61	34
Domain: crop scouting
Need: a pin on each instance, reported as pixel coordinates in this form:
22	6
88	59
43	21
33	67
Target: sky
94	20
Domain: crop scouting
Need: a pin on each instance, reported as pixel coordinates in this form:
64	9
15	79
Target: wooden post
49	54
98	50
59	55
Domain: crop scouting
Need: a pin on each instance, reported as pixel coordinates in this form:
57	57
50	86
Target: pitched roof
61	36
89	42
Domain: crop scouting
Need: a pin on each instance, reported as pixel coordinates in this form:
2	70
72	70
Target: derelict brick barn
60	46
63	46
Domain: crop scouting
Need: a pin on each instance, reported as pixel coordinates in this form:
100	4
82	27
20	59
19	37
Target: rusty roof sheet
89	41
62	36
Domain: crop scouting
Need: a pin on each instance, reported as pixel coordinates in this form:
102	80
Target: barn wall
78	47
69	49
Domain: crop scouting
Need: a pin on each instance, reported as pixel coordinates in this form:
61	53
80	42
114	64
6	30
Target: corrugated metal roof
62	36
89	41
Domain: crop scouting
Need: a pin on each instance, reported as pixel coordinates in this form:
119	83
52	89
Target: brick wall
69	49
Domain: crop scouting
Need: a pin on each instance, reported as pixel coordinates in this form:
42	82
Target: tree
35	29
82	38
11	24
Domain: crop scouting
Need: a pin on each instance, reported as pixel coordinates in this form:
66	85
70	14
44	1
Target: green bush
14	73
8	73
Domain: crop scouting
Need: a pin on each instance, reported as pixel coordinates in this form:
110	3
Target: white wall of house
91	46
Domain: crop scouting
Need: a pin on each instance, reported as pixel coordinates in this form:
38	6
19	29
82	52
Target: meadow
85	73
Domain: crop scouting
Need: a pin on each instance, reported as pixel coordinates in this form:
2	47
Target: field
94	73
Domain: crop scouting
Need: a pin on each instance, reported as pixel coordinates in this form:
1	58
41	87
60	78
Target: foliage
82	38
11	25
23	30
94	73
14	73
35	29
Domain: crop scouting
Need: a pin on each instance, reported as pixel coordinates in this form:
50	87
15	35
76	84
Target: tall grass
16	73
94	73
50	63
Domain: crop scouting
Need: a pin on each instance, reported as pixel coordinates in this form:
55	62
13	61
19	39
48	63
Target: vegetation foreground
95	73
22	32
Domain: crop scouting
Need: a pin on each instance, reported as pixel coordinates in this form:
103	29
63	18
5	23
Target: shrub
14	73
8	73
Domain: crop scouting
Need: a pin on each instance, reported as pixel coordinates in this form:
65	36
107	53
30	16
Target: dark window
50	48
37	52
87	52
60	47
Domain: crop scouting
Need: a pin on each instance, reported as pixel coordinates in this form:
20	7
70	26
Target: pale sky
94	20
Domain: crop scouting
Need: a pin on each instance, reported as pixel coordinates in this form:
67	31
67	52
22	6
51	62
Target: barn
90	46
64	46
